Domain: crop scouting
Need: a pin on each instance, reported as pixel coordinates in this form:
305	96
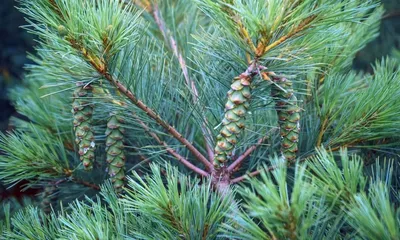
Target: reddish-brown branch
262	49
160	23
158	119
241	178
210	151
170	40
271	168
243	32
322	131
233	167
56	9
87	184
391	14
252	174
100	67
79	181
171	151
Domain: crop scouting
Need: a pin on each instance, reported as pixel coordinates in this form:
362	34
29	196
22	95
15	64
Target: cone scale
115	153
233	123
82	111
288	116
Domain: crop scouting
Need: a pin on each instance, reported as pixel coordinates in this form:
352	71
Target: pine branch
271	168
391	14
243	32
181	206
75	180
170	40
255	173
171	151
322	131
241	178
174	220
56	9
158	119
155	11
262	49
235	165
87	184
347	145
100	66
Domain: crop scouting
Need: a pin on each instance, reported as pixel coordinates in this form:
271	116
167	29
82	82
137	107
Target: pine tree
211	93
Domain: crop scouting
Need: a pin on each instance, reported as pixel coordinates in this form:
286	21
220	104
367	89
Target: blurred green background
15	43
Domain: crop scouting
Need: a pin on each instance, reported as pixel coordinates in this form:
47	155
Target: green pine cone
288	116
115	153
82	110
233	123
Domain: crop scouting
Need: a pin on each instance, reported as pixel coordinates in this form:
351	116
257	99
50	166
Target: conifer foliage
184	99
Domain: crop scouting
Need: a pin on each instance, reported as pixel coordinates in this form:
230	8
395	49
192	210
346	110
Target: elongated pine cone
288	116
233	123
115	153
82	110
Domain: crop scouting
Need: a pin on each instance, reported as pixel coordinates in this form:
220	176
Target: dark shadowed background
14	45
